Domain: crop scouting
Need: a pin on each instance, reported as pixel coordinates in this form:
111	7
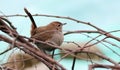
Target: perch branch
37	54
91	67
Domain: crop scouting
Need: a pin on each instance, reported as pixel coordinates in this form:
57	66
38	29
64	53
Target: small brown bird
51	33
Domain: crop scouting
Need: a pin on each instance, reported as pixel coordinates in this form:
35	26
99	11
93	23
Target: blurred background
103	13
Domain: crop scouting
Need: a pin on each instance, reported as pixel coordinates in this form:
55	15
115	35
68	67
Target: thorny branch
26	46
91	67
69	18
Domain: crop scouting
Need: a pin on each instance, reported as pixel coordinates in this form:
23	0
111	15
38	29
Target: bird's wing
43	36
38	30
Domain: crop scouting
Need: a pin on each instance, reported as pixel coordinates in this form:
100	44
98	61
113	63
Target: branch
91	67
69	18
30	49
27	47
81	31
8	22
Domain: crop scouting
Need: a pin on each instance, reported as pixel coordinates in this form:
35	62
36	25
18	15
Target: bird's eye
58	25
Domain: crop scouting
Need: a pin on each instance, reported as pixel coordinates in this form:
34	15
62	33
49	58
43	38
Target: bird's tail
33	25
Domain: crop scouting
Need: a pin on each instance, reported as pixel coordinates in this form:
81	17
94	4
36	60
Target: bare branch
91	67
27	47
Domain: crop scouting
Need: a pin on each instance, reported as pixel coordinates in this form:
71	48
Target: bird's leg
53	53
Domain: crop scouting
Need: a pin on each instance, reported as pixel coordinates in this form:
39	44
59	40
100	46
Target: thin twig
45	59
74	60
91	67
28	48
106	45
8	22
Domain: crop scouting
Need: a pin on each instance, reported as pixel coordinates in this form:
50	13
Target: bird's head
56	25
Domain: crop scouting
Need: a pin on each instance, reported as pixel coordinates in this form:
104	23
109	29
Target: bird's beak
64	23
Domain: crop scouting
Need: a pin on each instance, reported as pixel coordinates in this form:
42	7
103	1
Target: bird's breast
57	38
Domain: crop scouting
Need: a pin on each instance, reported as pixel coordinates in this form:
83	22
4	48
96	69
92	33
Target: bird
51	33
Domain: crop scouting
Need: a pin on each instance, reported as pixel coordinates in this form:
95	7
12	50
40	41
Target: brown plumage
51	33
33	26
